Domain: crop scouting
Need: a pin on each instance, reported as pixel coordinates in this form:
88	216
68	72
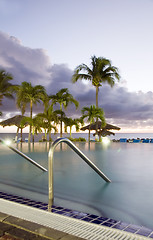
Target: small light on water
105	141
7	141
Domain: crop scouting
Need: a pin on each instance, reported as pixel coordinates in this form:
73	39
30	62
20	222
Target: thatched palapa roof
16	120
102	131
93	127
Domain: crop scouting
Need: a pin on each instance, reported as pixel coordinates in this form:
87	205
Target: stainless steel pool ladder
23	155
50	166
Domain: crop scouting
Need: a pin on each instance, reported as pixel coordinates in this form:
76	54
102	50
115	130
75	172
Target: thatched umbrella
93	126
16	120
102	131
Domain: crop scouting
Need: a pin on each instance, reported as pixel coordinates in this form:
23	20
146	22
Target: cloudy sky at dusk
42	41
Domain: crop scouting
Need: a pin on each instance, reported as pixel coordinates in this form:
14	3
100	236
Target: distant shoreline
117	136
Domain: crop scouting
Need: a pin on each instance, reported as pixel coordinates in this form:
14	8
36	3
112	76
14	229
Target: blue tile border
143	231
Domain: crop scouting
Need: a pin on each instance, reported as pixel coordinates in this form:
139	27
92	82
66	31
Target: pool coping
86	217
16	228
71	227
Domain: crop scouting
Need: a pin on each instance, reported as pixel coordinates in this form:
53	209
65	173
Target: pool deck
26	219
13	228
20	222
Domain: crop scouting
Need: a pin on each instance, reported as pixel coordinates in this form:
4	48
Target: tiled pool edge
98	220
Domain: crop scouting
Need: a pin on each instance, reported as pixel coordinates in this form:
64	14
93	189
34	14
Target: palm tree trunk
89	134
16	137
21	135
61	128
97	89
30	128
29	137
45	134
61	122
31	103
33	133
50	139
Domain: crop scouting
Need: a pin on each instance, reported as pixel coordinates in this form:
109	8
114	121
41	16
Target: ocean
77	135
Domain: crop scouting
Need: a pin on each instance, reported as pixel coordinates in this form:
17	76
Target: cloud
26	64
120	103
128	109
121	107
61	78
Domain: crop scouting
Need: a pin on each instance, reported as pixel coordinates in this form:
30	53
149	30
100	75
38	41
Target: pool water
128	198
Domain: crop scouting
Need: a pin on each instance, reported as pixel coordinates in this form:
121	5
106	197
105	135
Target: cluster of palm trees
5	85
26	95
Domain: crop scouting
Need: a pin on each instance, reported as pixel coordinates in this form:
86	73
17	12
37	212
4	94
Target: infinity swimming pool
128	198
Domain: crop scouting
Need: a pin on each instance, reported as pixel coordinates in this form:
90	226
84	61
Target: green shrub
80	139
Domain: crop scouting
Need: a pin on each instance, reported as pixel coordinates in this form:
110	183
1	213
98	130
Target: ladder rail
50	166
23	155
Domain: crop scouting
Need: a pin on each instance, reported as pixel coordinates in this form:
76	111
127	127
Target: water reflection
45	146
128	198
30	147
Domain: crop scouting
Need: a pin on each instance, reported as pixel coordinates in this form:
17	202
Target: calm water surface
128	198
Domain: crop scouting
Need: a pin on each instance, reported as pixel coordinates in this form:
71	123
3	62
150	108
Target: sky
42	41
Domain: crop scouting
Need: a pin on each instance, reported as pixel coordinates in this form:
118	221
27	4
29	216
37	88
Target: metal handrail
24	156
50	167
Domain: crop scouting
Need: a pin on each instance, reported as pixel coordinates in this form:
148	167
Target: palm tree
61	117
31	94
21	103
101	71
5	85
34	123
69	122
26	93
63	97
93	113
48	117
